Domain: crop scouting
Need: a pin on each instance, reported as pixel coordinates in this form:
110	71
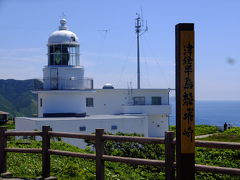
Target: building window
156	100
89	102
40	102
114	127
82	128
139	100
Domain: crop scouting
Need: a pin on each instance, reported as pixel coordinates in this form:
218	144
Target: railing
147	109
65	84
99	138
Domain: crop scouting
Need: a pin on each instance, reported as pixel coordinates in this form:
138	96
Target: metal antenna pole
138	29
138	62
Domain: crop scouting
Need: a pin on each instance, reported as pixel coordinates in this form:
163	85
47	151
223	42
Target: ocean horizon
213	112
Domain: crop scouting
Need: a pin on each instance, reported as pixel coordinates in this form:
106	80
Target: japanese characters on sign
187	91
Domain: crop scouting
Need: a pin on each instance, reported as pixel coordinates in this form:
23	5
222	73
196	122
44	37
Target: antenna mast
139	28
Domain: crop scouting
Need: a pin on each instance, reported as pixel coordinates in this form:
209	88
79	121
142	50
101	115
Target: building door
54	78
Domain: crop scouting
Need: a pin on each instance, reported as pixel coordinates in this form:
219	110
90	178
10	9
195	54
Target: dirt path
205	135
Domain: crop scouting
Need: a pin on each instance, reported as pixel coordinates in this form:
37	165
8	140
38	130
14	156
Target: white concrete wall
62	102
149	93
116	101
157	125
125	124
106	101
24	124
147	109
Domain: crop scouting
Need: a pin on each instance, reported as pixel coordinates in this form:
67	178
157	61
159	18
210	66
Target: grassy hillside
219	157
231	135
201	129
16	96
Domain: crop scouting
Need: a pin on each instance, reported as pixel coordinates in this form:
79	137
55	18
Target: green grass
233	131
10	124
29	165
230	135
205	129
201	129
219	157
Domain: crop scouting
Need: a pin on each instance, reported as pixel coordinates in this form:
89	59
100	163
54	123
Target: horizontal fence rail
72	154
134	139
220	145
23	150
169	164
217	169
136	161
72	135
23	133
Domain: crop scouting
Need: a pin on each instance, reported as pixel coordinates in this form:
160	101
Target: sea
213	113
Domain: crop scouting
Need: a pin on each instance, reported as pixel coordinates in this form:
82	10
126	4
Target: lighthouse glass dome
63	47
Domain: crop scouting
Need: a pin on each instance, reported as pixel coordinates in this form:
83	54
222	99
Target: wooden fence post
99	154
169	155
45	153
3	144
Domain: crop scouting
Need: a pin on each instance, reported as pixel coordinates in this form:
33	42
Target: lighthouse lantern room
63	70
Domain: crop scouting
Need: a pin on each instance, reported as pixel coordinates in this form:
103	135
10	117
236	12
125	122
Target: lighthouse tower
63	70
62	75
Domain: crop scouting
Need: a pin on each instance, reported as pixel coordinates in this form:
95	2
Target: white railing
67	84
147	109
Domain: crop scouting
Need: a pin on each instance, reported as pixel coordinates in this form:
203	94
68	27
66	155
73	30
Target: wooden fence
100	138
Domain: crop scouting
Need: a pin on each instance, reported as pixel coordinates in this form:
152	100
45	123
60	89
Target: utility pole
139	30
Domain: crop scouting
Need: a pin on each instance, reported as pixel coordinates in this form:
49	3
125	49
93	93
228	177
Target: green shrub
233	131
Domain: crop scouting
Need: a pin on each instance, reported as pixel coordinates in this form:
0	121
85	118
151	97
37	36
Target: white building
68	102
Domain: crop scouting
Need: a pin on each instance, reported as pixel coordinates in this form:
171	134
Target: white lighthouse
63	70
68	102
62	75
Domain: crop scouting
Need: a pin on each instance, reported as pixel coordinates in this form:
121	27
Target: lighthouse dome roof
108	86
63	35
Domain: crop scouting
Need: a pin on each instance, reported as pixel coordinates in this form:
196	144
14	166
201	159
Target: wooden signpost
185	100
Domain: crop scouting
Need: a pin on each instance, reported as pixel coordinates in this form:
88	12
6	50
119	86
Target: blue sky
111	57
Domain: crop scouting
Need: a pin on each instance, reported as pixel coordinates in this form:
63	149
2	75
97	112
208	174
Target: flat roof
90	117
94	90
2	112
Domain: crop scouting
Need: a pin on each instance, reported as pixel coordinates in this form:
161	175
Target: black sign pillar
185	102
